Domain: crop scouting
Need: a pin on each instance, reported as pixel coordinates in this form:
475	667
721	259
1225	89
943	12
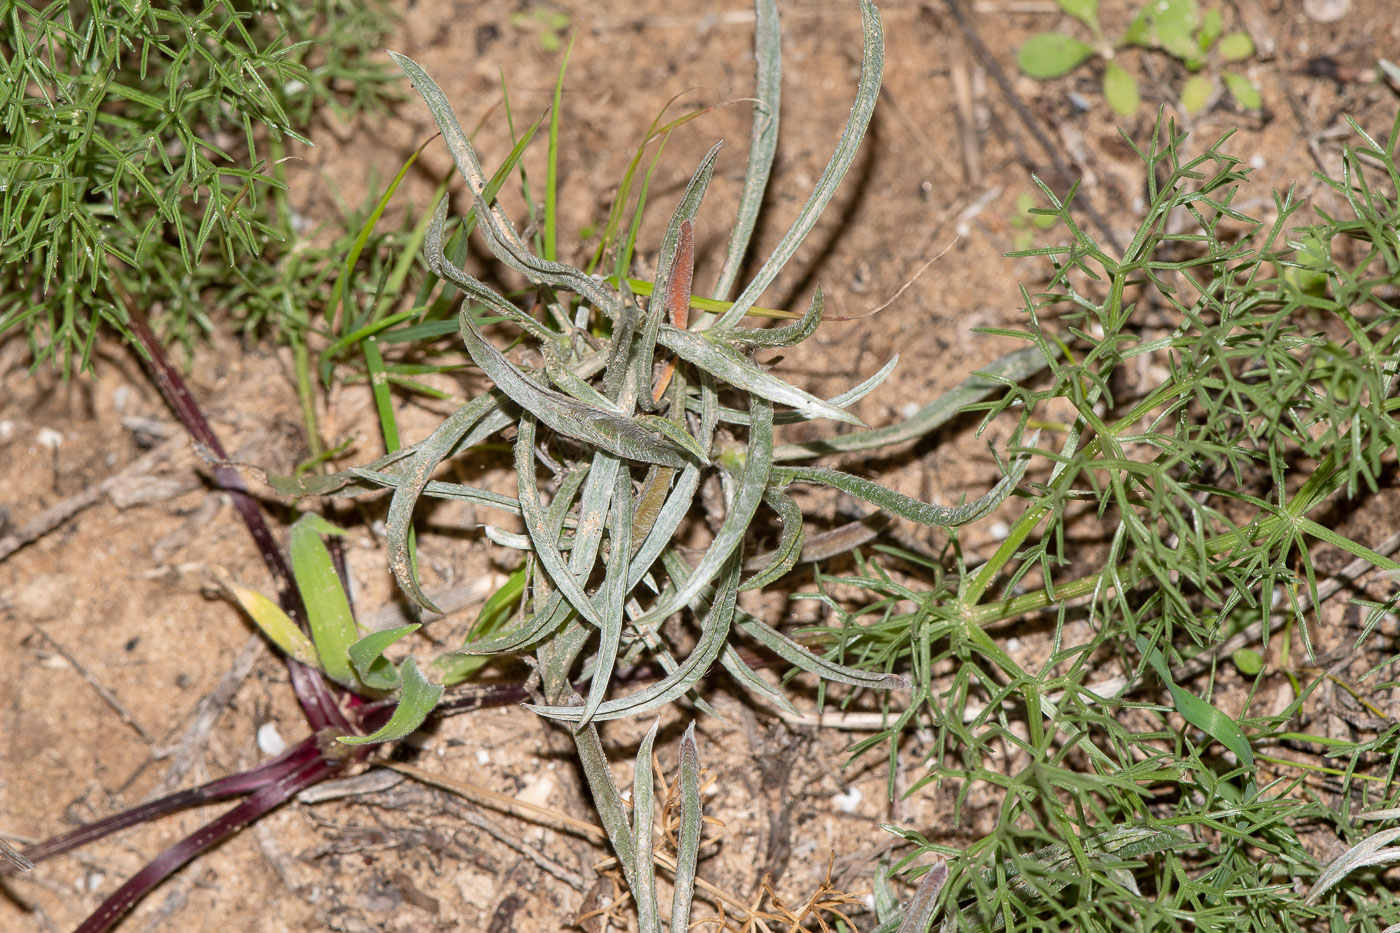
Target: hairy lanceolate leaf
786	336
867	92
597	427
688	841
789	549
728	365
416	701
643	814
367	654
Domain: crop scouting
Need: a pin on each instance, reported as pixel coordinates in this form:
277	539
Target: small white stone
7	430
483	757
48	437
848	801
1256	160
999	531
909	410
120	397
270	741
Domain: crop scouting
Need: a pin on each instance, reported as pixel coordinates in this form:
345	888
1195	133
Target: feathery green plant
1216	412
140	157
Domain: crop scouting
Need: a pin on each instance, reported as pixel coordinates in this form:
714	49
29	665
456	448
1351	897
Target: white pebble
909	410
48	437
7	431
270	741
848	801
999	531
483	757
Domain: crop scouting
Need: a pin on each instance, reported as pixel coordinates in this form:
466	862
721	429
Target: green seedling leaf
367	655
1050	55
1242	90
1198	712
1211	25
1236	47
275	624
416	701
1248	661
1120	89
1195	93
328	612
1086	11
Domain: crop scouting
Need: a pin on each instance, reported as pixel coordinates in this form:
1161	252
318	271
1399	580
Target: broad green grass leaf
1050	55
416	701
328	612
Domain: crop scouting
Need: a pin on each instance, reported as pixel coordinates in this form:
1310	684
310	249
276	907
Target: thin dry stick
98	687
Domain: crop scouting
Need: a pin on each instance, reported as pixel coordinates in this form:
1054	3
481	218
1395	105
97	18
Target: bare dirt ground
115	642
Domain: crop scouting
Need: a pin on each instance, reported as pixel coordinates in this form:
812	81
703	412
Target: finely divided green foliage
140	149
1219	404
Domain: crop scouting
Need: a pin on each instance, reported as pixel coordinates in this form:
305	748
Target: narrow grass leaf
1198	712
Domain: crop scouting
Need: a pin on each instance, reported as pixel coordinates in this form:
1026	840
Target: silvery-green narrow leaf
501	237
650	498
429	454
763	140
510	539
900	504
729	365
345	483
798	656
570	383
598	488
439	489
844	400
750	679
594	426
643	813
608	802
918	916
328	612
538	626
714	632
789	549
785	336
416	701
674	433
750	485
546	547
613	595
470	286
367	655
868	91
667	521
1011	368
688	842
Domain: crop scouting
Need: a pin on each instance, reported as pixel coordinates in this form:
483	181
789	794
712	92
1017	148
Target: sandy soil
113	636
